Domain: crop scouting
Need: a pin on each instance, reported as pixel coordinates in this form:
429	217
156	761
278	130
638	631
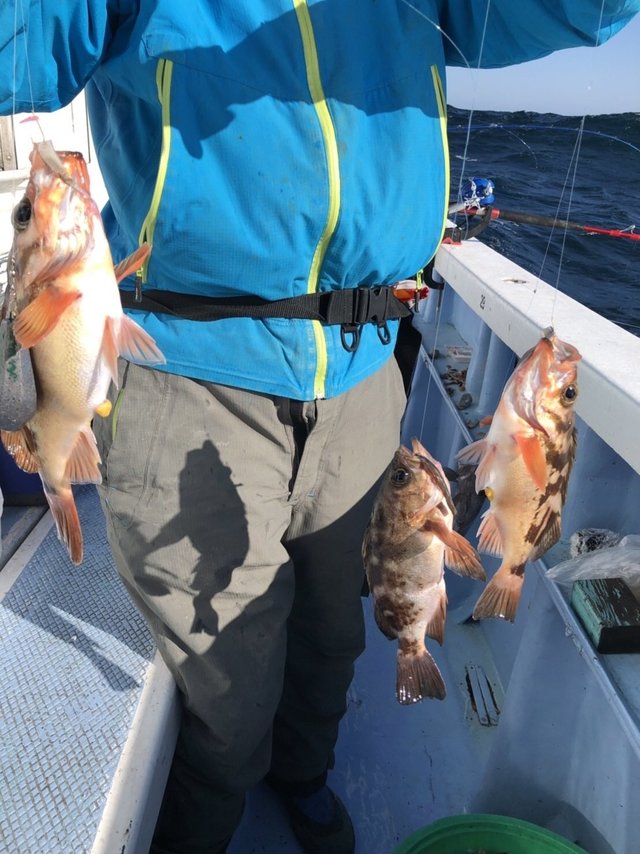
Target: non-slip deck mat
74	653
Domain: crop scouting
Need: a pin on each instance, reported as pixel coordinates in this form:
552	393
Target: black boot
319	820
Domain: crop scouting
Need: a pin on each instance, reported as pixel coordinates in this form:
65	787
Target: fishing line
576	155
575	158
458	50
573	164
527	146
446	36
546	128
25	30
431	358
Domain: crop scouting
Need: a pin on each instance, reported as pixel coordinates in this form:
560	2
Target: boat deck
89	716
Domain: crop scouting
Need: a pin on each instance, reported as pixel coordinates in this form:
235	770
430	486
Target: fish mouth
54	222
552	362
417	462
529	377
69	166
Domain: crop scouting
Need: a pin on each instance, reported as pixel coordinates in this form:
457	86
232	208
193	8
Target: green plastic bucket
490	834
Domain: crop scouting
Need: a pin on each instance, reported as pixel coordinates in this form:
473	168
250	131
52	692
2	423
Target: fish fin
132	262
487	421
483	472
435	628
417	677
473	453
534	459
41	316
21	446
463	558
489	535
548	537
459	554
133	342
422	517
366	543
82	466
501	596
65	514
481	454
382	621
110	349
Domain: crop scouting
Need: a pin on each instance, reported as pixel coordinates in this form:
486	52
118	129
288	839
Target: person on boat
266	151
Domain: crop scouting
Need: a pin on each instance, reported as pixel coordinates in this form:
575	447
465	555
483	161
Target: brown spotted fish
407	544
64	295
524	464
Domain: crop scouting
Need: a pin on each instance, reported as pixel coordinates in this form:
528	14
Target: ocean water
541	165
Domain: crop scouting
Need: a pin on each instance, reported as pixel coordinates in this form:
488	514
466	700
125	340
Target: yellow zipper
333	169
164	72
442	113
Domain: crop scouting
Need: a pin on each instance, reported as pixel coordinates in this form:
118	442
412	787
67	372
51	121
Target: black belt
350	308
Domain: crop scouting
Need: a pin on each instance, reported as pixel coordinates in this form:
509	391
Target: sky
577	82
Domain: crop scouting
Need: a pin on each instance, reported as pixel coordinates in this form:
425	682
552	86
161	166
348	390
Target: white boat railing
517	306
570	716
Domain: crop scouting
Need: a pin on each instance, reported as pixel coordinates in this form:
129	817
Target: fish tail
501	596
65	514
417	677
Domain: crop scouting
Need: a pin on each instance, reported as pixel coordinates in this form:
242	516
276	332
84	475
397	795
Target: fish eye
400	476
21	214
569	393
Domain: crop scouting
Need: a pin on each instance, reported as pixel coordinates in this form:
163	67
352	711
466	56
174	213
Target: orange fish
64	295
406	546
524	463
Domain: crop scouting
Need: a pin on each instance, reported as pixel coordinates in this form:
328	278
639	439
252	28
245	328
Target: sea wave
583	170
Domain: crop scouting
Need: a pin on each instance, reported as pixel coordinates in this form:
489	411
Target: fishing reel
477	192
477	196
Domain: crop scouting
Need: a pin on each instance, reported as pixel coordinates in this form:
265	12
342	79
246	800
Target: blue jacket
274	148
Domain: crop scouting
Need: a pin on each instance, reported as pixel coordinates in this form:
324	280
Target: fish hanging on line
63	297
467	501
523	466
407	543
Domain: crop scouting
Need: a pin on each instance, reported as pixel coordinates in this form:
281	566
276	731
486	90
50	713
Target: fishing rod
537	219
477	199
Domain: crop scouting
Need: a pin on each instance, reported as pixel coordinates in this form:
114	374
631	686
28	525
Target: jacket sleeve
49	49
496	33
